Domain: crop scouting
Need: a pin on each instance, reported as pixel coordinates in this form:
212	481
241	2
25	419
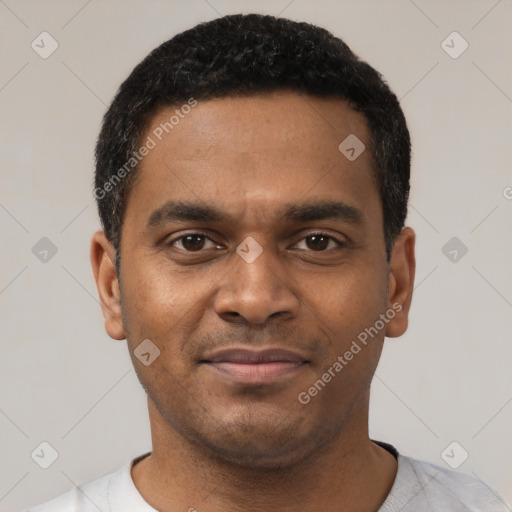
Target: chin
262	446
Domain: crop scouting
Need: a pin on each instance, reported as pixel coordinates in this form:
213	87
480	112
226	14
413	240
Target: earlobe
105	275
402	267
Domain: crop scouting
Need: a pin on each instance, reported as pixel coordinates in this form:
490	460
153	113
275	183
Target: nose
256	292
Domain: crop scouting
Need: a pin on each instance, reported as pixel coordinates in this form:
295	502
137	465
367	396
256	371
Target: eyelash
174	240
341	243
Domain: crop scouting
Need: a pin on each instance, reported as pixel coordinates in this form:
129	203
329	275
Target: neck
350	473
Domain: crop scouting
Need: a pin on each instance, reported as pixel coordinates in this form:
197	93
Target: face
252	258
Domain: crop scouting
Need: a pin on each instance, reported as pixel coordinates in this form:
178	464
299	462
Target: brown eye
193	242
320	242
317	242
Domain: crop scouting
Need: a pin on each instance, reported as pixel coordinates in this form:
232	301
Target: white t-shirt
418	487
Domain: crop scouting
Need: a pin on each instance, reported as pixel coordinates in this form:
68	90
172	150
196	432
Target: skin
219	445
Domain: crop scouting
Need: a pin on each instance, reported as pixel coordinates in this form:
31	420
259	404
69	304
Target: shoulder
421	485
86	498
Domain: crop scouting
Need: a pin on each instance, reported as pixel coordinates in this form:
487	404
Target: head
234	219
245	55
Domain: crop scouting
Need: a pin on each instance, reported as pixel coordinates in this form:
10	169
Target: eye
193	242
319	242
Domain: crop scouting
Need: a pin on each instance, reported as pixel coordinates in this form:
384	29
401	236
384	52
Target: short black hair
242	55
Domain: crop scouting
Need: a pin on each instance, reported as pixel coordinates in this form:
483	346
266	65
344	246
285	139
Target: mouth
255	367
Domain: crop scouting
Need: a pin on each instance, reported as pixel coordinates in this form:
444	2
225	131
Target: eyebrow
336	210
175	211
306	212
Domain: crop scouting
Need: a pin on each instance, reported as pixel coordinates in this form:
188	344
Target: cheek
351	300
161	304
349	321
355	318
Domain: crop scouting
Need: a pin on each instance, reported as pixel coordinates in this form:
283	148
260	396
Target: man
252	180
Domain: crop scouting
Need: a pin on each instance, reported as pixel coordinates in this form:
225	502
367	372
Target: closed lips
243	356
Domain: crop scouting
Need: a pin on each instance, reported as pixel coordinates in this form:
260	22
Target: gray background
65	382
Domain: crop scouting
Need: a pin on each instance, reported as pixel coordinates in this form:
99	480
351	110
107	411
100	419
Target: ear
402	267
105	275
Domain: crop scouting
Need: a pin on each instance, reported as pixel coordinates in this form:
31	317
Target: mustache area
314	347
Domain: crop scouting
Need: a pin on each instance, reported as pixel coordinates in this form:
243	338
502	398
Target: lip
255	367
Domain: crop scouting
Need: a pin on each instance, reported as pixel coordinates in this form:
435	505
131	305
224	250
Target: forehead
259	122
258	151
